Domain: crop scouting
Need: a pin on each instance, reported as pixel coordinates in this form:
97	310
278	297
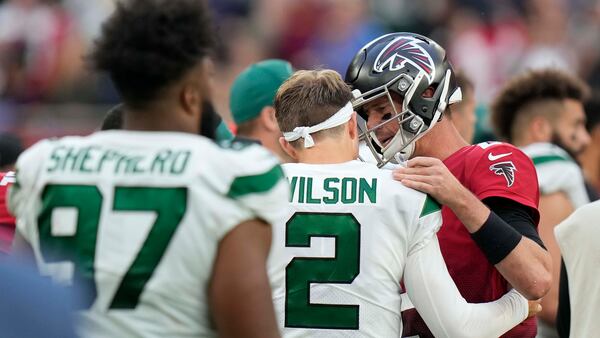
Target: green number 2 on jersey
302	271
169	205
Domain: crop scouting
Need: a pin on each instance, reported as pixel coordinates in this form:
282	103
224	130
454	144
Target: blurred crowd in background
46	89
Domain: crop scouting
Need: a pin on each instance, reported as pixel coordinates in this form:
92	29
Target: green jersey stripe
549	158
252	184
430	206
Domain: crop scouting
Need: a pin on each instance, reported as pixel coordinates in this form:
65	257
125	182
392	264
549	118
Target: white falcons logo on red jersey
506	169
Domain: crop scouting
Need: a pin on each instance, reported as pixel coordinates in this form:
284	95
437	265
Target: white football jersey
557	171
138	217
337	262
577	238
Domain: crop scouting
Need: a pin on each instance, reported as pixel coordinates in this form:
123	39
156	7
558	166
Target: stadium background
46	90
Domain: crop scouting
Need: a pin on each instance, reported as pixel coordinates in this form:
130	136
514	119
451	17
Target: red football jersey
491	169
7	222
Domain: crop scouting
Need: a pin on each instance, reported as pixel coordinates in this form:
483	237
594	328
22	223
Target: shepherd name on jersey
336	263
142	214
557	171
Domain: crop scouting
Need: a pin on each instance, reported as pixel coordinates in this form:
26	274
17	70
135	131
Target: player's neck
442	141
269	141
530	136
328	151
158	116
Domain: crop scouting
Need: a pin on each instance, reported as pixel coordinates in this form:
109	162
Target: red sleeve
7	222
503	170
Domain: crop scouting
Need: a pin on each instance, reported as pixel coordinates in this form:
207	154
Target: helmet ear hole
428	93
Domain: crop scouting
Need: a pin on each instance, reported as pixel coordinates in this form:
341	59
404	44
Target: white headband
340	117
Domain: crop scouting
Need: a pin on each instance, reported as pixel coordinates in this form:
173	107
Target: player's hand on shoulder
430	175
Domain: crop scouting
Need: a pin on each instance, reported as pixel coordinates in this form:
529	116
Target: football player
403	84
353	233
251	103
113	120
169	232
576	237
541	111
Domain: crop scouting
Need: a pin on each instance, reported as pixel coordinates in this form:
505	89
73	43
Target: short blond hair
310	97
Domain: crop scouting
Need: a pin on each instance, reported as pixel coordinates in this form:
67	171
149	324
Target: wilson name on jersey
337	261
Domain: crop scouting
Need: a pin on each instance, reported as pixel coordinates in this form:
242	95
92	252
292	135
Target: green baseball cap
255	88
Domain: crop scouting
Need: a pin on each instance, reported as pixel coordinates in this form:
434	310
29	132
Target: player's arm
554	208
252	182
445	311
239	292
524	263
513	267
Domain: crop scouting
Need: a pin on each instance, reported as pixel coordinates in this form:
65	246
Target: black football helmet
406	64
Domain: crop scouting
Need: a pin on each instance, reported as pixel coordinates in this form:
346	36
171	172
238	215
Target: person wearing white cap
352	233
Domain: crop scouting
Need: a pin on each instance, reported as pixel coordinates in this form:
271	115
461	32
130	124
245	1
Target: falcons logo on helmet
402	50
506	169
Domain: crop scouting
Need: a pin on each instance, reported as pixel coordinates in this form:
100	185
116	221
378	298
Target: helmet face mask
407	65
409	125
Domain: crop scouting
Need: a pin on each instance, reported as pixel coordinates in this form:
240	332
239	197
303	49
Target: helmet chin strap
406	153
400	144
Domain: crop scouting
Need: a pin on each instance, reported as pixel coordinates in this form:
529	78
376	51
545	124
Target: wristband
496	238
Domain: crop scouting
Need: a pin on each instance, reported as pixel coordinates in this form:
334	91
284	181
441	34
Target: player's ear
195	87
190	99
267	115
352	127
541	129
288	148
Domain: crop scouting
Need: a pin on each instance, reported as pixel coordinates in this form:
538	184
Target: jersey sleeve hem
252	184
510	195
